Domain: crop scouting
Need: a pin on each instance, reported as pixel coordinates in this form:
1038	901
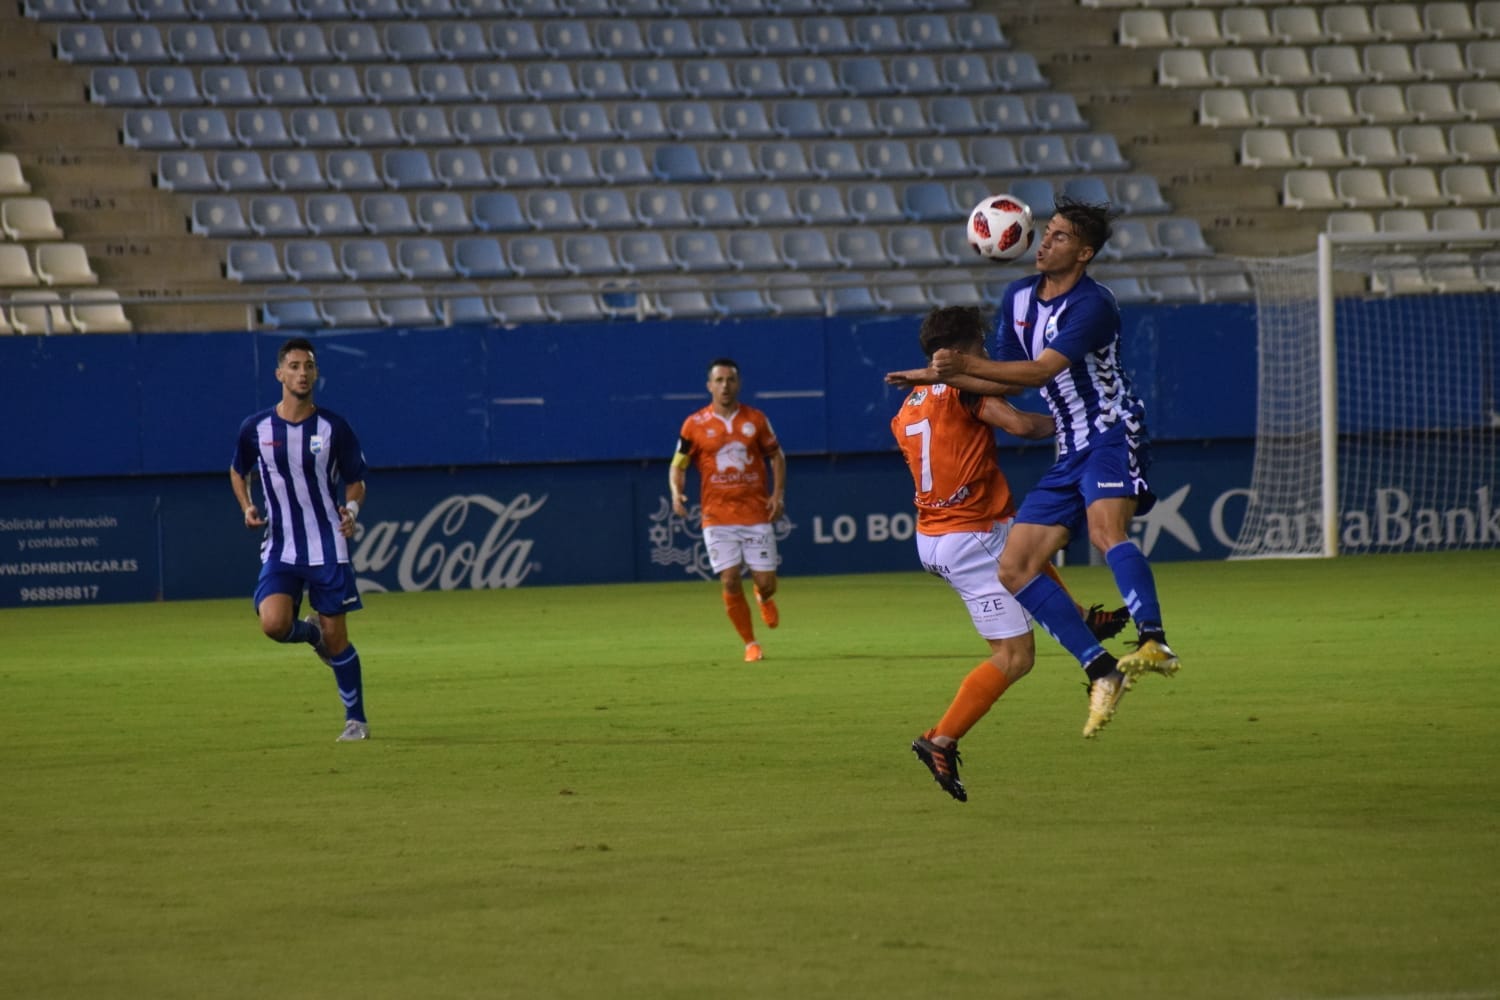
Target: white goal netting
1379	398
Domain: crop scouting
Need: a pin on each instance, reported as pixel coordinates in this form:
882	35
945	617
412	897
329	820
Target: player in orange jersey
731	444
964	511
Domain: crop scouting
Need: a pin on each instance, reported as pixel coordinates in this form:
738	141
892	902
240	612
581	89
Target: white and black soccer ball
1000	228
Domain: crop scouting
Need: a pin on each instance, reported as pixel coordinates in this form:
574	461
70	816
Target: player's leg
332	594
726	556
760	557
1104	624
277	594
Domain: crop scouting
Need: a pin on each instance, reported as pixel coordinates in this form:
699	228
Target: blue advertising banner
101	549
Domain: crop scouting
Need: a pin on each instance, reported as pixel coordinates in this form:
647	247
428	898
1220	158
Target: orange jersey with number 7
951	455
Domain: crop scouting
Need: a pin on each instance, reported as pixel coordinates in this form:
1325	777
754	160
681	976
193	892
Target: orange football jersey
730	454
951	455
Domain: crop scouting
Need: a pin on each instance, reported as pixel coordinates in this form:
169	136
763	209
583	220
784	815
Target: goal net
1378	425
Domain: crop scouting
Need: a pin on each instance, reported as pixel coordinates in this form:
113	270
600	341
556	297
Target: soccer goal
1378	420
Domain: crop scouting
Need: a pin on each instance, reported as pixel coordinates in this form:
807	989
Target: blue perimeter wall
503	457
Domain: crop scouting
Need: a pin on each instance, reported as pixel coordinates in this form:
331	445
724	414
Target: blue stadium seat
1005	113
253	261
249	43
1179	236
836	159
371	126
549	81
621	38
586	122
784	161
656	81
409	42
644	253
954	116
967	73
979	30
678	165
1019	71
662	208
740	302
499	212
51	10
443	212
1038	192
725	37
294	309
604	81
807	249
914	246
423	259
1137	194
1131	240
216	10
149	128
930	201
194	43
865	76
877	33
459	167
754	250
184	171
799	119
172	86
850	117
812	76
1057	112
692	121
714	207
462	41
668	38
606	208
821	205
791	295
890	158
406	306
745	120
970	191
699	252
995	155
424	126
760	78
356	43
678	300
825	35
279	85
1046	154
116	86
478	126
140	43
516	40
270	10
316	127
367	260
462	304
860	249
589	254
374	10
276	215
218	216
708	79
901	296
312	260
353	170
1089	189
332	215
261	128
901	116
480	257
390	85
516	168
927	33
297	170
207	128
387	214
497	83
954	293
407	168
519	305
774	36
769	206
228	85
552	211
322	10
916	74
302	43
535	257
729	161
874	204
336	85
569	165
84	43
942	158
567	39
348	308
624	165
531	123
241	171
1098	151
850	296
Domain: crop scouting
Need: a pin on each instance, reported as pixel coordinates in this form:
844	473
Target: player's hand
949	362
679	506
347	522
253	518
776	507
911	377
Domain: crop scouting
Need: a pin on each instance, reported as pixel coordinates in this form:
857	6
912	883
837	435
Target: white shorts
968	561
730	545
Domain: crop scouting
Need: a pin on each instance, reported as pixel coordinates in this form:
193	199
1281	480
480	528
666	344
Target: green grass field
581	793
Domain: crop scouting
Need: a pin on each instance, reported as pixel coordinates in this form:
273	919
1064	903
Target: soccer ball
1000	227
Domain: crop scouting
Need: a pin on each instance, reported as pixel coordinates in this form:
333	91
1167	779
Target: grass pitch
582	793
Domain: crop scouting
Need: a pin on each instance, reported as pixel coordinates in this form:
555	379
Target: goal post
1378	397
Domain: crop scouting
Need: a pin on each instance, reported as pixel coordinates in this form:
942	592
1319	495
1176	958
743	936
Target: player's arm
949	363
241	486
776	502
677	477
1022	423
354	499
913	377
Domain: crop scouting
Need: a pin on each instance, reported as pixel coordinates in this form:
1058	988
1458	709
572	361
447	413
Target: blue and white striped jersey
1092	395
301	468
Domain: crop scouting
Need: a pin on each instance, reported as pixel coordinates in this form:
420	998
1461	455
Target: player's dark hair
295	344
723	363
953	326
1090	221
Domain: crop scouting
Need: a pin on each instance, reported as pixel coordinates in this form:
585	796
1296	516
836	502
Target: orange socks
980	690
739	614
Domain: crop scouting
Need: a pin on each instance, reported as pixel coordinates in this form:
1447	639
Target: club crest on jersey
1051	331
315	444
917	398
747	429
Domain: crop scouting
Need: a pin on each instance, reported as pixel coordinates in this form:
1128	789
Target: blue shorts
1113	466
331	589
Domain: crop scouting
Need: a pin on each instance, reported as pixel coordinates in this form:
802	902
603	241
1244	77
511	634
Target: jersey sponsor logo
734	457
917	398
1112	486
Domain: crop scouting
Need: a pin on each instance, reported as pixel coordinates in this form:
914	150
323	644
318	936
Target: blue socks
1137	585
1055	611
351	686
